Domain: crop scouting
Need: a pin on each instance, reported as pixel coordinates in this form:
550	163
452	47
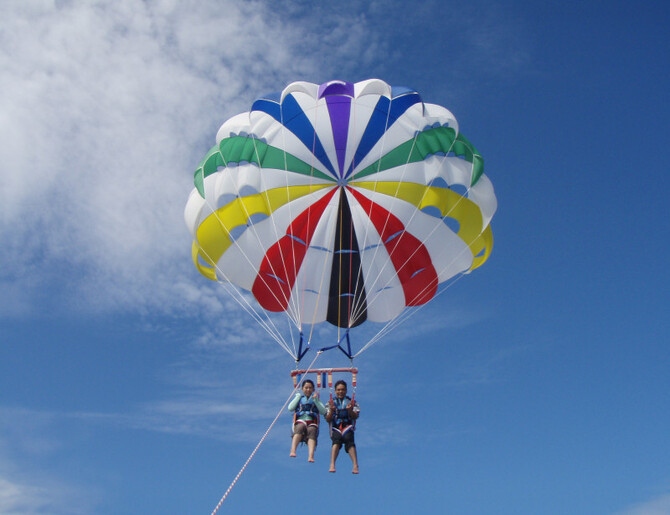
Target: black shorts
346	438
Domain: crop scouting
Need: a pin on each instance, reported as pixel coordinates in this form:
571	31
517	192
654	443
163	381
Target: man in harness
307	407
341	415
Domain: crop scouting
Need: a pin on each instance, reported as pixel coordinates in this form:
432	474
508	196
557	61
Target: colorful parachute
340	202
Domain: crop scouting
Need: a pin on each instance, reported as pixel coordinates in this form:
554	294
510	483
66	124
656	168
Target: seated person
307	407
341	415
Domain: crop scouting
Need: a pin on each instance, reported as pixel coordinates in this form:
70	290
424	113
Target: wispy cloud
656	506
30	496
31	440
106	109
25	488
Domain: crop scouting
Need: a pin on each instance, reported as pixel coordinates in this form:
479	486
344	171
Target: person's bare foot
310	460
355	470
332	468
292	455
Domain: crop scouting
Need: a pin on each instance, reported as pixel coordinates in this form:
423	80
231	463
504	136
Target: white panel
192	211
312	283
235	125
450	255
278	136
386	298
453	170
437	114
361	112
307	88
373	87
483	195
403	129
241	261
321	121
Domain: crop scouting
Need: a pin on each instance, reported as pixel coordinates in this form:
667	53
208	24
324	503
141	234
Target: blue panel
268	107
401	104
374	130
385	115
295	120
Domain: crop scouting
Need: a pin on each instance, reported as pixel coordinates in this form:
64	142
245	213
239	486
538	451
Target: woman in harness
342	414
307	407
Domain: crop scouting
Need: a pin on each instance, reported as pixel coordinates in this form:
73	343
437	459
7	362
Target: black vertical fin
346	280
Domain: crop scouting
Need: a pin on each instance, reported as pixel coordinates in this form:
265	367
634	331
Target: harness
341	421
307	408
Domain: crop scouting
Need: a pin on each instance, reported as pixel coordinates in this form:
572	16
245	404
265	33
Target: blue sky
129	384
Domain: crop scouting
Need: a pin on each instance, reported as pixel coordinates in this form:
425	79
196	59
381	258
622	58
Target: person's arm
353	409
319	405
294	403
330	413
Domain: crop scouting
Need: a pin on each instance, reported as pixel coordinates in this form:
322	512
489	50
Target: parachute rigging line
406	314
388	212
261	316
403	317
260	442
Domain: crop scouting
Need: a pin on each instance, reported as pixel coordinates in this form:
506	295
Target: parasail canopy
340	203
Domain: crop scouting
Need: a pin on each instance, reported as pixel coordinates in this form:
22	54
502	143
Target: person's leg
294	444
311	446
312	435
336	438
350	447
298	434
354	459
334	451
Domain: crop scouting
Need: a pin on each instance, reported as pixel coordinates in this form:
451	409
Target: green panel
245	149
463	147
432	141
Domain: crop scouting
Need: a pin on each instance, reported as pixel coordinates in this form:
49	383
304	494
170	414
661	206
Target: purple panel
339	108
338	95
336	87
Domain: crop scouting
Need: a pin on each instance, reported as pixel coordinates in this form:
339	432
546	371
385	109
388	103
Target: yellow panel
213	233
450	204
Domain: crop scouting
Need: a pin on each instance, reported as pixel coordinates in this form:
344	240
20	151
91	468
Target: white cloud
31	441
657	506
107	107
26	497
26	488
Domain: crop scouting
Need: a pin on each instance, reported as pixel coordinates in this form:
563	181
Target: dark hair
308	381
341	382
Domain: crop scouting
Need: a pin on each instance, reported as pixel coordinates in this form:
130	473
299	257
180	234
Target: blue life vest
307	408
341	417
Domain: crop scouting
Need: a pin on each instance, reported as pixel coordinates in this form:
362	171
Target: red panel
409	256
281	263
